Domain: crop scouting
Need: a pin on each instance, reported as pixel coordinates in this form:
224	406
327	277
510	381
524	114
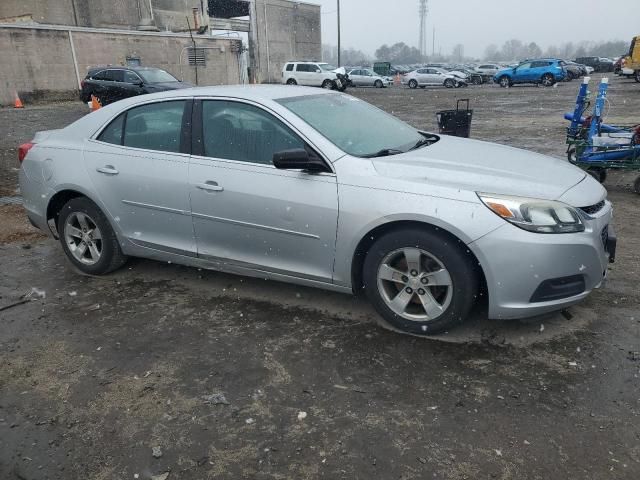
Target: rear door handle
210	186
108	170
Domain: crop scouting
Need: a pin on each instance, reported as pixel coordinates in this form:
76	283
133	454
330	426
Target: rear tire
429	289
547	80
413	84
328	85
88	239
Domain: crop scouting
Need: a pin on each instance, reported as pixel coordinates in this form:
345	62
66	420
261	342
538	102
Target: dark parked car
574	70
599	64
110	84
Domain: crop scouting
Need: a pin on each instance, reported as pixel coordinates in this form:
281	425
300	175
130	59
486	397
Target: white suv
313	74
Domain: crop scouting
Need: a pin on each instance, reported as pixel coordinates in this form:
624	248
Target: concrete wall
38	62
122	14
286	31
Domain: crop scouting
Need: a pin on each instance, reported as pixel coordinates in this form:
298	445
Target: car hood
476	166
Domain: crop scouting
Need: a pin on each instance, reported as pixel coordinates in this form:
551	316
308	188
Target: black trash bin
455	122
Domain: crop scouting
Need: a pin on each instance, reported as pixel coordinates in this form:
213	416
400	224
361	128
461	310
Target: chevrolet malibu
319	188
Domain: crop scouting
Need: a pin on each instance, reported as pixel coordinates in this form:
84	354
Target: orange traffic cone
95	104
18	102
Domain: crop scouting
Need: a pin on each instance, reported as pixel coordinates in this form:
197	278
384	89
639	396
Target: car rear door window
303	67
114	75
156	126
243	132
113	132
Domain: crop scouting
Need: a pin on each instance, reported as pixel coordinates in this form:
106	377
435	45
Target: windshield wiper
385	152
421	143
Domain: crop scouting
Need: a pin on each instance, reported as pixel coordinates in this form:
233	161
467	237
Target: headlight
534	215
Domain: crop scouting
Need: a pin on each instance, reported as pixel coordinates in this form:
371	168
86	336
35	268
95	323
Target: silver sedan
321	189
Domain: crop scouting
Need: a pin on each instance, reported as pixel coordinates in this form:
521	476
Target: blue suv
545	71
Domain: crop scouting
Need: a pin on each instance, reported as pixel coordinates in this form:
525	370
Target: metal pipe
266	40
338	33
75	60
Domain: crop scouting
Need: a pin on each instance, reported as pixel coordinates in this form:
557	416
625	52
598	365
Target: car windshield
155	75
339	117
327	67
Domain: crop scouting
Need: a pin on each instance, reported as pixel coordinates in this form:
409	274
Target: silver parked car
364	77
262	181
431	76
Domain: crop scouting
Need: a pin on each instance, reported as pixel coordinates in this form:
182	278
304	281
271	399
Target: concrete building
47	45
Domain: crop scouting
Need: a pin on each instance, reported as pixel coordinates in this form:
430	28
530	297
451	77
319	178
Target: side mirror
298	159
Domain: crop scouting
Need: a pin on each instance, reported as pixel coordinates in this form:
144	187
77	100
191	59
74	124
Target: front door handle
210	186
108	170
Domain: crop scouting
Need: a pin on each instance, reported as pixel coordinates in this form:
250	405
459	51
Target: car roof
308	61
120	67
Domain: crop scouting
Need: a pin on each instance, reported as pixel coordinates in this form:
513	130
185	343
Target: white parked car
431	76
311	74
364	77
487	69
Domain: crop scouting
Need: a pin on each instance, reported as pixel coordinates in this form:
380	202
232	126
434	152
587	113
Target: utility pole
338	33
433	46
423	9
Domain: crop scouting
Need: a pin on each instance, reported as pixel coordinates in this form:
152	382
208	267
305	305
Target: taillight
23	150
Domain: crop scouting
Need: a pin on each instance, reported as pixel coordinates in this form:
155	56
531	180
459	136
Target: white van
312	74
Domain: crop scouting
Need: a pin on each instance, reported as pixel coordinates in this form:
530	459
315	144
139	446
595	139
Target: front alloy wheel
505	82
414	284
413	84
420	280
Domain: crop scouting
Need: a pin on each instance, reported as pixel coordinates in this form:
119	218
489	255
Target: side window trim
197	143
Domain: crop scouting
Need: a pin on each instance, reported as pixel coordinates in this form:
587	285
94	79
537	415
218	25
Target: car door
522	73
139	166
368	78
433	77
303	74
246	212
422	77
356	77
131	84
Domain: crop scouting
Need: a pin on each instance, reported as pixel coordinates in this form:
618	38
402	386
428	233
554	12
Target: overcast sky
367	24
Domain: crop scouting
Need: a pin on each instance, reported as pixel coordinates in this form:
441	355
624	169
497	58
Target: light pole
338	33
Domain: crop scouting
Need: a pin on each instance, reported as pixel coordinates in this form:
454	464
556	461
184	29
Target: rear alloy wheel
292	81
419	281
449	83
637	76
88	239
328	85
413	84
378	84
504	81
547	80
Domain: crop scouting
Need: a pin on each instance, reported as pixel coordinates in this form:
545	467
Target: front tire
413	84
449	83
88	239
421	282
378	84
505	81
328	85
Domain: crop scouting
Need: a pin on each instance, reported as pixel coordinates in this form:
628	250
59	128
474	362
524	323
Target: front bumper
531	274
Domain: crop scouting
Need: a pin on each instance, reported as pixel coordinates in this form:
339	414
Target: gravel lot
96	372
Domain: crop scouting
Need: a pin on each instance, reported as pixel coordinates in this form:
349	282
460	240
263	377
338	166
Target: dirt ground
96	372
